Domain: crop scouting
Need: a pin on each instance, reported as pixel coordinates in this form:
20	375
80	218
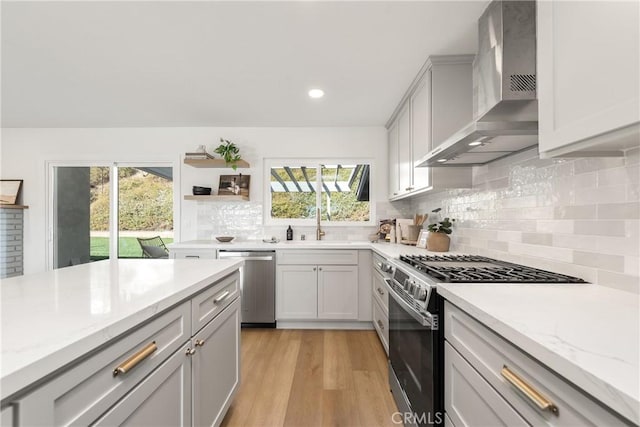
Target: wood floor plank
337	362
312	378
305	401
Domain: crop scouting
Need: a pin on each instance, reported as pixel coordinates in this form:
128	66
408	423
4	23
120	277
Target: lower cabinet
216	367
489	381
381	309
309	290
162	399
163	373
317	292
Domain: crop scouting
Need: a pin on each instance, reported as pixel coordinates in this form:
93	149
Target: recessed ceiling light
316	93
442	160
475	143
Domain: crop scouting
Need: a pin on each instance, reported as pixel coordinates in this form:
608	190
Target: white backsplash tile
574	216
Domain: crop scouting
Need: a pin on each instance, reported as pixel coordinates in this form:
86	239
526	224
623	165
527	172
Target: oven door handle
419	317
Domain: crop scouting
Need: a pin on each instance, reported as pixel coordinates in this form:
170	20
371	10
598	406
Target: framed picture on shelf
9	191
422	239
234	185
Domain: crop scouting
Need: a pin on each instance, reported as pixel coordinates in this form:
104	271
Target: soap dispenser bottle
289	233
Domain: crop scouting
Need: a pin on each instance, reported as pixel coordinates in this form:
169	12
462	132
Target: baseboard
323	324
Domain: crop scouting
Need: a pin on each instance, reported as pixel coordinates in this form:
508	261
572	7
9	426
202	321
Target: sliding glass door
107	211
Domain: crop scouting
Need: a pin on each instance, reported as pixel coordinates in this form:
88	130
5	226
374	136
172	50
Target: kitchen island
62	326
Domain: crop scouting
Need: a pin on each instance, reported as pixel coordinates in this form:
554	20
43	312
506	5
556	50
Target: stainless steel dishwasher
258	286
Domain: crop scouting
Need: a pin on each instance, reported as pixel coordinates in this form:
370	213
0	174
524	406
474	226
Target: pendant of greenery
229	152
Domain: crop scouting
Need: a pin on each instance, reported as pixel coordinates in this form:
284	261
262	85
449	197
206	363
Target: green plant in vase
438	239
229	152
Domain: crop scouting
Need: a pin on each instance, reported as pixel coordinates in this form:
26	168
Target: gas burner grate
496	272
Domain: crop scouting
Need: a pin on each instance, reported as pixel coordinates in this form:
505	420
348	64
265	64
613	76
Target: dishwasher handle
247	256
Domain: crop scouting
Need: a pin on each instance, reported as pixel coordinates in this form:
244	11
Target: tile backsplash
574	216
245	221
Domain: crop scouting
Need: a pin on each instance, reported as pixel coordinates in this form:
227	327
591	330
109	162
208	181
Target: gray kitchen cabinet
394	171
162	399
216	367
86	390
317	284
437	104
6	416
484	373
166	372
380	306
588	60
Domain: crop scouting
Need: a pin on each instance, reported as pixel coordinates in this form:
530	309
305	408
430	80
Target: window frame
317	162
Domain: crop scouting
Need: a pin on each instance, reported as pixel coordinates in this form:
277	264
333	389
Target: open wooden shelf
213	163
7	206
218	198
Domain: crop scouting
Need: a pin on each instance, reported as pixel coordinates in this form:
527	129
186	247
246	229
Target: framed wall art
9	191
234	185
422	239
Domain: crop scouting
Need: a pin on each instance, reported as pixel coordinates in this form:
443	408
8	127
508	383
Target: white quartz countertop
387	250
50	319
588	334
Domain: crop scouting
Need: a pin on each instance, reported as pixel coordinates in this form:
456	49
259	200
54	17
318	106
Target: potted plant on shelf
438	239
229	152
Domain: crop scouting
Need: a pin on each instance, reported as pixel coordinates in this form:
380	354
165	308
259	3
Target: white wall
25	152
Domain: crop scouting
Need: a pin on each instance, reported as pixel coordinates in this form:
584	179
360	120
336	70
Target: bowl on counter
224	239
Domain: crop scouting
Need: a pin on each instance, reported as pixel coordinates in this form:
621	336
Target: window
100	211
297	189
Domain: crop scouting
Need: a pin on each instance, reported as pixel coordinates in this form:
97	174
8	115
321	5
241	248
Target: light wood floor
312	378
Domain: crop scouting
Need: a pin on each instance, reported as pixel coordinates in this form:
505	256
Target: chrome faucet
319	232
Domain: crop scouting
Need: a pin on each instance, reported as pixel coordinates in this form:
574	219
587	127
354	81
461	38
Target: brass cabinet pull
380	291
534	395
221	297
199	343
190	351
380	324
131	362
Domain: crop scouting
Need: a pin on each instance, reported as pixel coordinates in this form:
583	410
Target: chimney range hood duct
505	104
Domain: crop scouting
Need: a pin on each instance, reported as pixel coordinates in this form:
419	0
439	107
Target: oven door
414	358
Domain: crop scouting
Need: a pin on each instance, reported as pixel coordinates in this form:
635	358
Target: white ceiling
139	64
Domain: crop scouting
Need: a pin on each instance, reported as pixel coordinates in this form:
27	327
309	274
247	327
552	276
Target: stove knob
421	294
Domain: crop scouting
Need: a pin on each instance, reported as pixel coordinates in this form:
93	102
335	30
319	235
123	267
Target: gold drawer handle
380	325
131	362
223	296
534	395
380	291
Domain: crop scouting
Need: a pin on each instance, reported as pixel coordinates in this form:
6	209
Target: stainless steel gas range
416	332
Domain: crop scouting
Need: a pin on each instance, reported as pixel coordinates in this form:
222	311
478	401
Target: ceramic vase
438	242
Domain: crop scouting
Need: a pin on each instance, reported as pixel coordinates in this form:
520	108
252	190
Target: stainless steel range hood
504	74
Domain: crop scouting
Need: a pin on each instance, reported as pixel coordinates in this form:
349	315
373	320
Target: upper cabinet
588	77
438	103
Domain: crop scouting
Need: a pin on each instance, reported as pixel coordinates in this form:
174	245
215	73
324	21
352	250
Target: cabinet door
162	399
381	324
421	129
338	292
216	371
469	400
588	73
405	163
296	292
394	170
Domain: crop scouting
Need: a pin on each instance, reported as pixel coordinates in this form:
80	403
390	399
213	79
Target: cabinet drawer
381	291
469	400
381	323
207	304
162	399
489	354
192	253
85	391
319	256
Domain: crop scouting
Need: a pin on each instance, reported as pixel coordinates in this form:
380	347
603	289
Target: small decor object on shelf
234	185
229	152
438	240
9	191
422	239
199	154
